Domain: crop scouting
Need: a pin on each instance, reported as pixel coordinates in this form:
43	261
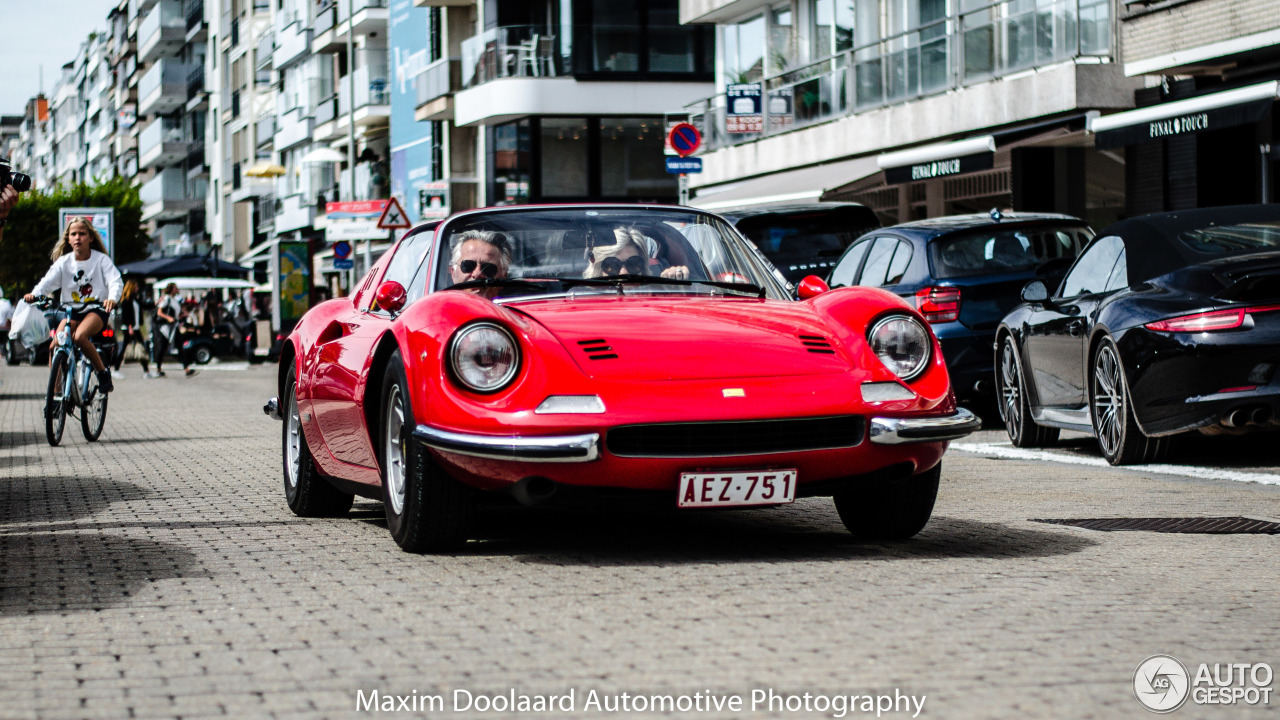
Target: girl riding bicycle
84	273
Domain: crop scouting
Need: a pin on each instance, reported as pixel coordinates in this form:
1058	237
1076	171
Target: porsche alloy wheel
895	510
306	491
1121	440
1015	406
426	509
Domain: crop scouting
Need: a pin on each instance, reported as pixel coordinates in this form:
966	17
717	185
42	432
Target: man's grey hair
495	239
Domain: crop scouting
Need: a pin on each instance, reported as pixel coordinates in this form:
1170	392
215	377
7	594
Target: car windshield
996	250
1227	240
801	244
535	252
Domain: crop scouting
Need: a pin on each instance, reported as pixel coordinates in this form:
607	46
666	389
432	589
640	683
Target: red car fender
851	311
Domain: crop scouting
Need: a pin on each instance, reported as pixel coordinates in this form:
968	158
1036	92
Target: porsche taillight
1209	321
939	304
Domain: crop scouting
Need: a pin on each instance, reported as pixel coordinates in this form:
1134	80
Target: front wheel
94	413
892	511
426	509
202	354
305	489
1111	410
55	406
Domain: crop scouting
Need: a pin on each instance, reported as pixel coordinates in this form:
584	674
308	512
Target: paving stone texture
158	573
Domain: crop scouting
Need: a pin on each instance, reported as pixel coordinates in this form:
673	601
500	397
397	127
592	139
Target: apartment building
1206	130
557	100
32	153
916	108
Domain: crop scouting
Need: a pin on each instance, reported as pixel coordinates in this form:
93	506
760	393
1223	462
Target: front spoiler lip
546	448
899	430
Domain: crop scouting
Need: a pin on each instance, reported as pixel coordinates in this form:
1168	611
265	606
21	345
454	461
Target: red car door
343	350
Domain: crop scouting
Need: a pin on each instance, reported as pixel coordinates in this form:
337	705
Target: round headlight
484	357
902	344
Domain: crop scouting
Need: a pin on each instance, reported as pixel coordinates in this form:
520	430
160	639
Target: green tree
32	229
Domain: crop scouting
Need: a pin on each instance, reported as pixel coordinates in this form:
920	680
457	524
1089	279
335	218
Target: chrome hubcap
293	441
1108	401
1010	387
395	450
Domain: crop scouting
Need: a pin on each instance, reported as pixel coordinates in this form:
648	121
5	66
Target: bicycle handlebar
44	302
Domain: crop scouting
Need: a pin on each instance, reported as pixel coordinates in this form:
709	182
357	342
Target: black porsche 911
1166	323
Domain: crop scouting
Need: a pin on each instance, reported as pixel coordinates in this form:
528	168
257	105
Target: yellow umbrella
266	169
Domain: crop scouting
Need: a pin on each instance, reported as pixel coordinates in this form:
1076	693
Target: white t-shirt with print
95	279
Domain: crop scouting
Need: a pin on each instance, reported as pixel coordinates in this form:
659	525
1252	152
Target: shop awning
938	160
1227	108
791	186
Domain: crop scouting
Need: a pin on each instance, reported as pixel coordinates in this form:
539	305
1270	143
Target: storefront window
510	162
631	159
565	157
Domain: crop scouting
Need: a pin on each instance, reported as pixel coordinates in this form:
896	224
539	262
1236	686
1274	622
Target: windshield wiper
500	282
620	280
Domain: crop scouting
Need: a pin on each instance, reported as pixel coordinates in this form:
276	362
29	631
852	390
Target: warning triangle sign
393	217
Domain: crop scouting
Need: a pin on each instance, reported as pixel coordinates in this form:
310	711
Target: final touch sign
940	168
1182	125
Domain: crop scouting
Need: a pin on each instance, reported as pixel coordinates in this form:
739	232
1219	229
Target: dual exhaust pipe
1241	417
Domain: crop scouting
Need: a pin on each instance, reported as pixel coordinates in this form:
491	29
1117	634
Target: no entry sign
685	138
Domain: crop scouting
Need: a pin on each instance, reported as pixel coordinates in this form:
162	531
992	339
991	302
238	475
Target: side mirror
1035	292
811	286
391	296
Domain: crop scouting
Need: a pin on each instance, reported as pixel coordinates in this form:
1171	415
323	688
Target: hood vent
817	344
598	349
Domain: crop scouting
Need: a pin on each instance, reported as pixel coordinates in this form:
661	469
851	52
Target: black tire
93	415
12	355
202	354
892	511
1012	402
426	509
1120	439
306	491
55	410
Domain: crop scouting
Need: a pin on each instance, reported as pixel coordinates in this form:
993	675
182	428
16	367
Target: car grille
598	349
817	344
750	437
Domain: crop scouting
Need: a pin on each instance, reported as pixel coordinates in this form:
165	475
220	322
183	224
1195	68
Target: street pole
351	124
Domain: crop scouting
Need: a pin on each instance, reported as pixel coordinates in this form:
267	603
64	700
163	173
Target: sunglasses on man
612	265
487	269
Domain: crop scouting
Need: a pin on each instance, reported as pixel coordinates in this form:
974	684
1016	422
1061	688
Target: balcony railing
262	54
442	77
195	82
194	11
517	51
326	109
955	51
264	131
326	17
357	6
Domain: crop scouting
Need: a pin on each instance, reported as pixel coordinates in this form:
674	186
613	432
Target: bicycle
82	393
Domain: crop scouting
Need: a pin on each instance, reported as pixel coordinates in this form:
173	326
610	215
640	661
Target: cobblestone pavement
158	573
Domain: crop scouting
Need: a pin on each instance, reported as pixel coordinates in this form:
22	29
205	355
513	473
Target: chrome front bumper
552	448
895	431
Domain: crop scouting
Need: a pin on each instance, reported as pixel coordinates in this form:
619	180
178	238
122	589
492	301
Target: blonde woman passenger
627	257
84	274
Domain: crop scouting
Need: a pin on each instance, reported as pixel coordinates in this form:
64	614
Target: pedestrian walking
132	307
170	315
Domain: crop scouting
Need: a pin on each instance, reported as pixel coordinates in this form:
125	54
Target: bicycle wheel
55	409
94	411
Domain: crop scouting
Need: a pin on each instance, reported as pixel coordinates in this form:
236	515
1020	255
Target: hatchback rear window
995	250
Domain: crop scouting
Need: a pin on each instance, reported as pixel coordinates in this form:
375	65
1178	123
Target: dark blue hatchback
965	273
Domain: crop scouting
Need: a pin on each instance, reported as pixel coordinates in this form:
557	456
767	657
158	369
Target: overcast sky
42	32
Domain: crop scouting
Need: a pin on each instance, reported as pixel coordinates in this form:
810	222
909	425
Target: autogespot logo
1161	683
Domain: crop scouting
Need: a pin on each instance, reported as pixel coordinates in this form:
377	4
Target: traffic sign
393	217
342	249
354	209
681	166
343	264
685	138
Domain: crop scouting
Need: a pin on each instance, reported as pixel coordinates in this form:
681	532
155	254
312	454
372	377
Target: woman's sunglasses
488	269
613	266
